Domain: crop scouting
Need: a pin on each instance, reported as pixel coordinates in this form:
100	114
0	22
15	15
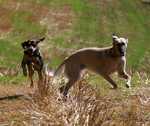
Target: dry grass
85	106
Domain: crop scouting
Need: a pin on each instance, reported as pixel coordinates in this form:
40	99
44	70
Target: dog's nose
28	51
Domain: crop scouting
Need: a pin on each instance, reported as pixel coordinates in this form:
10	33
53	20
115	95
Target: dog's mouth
29	51
122	50
122	54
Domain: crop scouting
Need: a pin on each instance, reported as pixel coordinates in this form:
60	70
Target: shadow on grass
16	96
11	97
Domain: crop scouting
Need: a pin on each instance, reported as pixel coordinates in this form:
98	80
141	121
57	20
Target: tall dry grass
87	106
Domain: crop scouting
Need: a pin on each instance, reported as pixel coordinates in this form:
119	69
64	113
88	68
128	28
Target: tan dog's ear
127	40
115	39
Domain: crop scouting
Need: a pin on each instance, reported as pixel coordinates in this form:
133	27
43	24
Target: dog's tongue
33	49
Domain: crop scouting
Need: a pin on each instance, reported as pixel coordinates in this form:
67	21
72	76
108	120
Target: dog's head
30	46
120	45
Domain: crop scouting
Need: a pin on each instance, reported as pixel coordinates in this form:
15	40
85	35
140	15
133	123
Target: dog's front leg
127	77
24	66
123	74
31	72
41	85
108	78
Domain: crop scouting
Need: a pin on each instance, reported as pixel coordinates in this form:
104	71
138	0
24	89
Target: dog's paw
128	84
114	87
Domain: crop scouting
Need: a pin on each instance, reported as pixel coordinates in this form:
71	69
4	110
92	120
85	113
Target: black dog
32	59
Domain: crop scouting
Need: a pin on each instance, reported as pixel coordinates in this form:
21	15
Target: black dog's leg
41	85
31	72
24	65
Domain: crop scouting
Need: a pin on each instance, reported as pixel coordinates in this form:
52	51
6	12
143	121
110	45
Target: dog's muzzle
122	54
122	50
29	51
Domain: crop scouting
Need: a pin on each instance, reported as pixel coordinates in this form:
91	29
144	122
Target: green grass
17	80
24	27
92	25
10	53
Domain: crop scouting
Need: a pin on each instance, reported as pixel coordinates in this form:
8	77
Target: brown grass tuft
85	106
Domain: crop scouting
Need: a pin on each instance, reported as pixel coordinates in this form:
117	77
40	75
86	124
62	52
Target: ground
132	109
11	109
69	25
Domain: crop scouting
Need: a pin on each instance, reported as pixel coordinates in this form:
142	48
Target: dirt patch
57	20
11	109
85	105
5	23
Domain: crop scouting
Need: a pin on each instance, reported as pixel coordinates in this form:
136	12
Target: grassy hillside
69	25
72	24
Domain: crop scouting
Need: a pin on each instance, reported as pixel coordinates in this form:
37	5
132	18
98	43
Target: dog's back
95	59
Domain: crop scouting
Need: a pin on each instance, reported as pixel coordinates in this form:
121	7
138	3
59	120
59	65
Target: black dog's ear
22	45
40	40
43	38
25	44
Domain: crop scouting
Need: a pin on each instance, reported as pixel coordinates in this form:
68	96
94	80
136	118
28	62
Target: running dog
32	59
103	61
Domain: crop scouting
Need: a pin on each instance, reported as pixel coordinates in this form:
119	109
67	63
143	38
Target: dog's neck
115	52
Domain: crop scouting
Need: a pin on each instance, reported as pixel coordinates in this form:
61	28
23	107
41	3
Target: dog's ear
127	40
115	38
24	44
40	40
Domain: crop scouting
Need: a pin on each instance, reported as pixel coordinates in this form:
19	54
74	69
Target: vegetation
69	25
75	24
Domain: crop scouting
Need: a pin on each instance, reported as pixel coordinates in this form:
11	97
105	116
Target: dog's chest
107	65
110	67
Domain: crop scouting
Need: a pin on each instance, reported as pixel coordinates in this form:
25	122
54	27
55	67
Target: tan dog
103	61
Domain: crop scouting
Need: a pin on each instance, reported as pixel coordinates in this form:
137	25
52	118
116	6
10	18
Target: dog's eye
120	44
123	44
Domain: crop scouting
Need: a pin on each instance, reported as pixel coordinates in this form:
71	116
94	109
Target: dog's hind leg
68	86
31	72
41	84
73	73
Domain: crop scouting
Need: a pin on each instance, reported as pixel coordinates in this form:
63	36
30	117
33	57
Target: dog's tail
48	72
60	69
